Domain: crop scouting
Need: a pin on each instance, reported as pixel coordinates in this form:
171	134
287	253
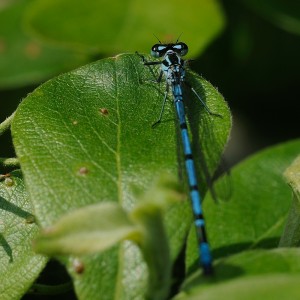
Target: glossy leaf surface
86	137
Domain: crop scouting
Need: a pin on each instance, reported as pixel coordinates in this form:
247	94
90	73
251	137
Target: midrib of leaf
267	233
118	289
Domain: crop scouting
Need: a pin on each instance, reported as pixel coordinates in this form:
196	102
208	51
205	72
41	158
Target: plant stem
6	123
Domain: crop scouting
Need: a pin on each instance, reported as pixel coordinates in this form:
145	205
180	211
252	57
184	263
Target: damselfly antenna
157	38
178	37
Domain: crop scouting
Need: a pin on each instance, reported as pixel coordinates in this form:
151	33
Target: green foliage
251	220
19	264
80	145
97	227
85	137
24	59
274	286
258	205
92	163
39	38
107	26
84	231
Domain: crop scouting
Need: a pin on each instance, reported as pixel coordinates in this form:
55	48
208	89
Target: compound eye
158	50
180	48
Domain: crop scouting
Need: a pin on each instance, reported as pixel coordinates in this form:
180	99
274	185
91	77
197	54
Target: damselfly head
159	50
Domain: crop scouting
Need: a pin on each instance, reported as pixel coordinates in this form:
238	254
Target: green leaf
118	26
24	60
256	262
256	212
85	137
19	265
245	264
83	231
291	235
275	287
148	215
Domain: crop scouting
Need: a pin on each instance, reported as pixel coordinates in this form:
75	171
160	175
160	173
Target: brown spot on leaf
78	266
83	171
103	111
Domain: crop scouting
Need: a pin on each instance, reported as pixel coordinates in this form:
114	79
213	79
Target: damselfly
173	68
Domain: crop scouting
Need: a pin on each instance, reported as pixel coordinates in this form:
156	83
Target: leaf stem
6	123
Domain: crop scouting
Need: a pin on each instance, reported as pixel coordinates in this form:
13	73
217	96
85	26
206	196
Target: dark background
255	65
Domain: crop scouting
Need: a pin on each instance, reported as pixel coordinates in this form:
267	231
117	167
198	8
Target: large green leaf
86	137
250	264
19	265
118	26
24	60
255	214
251	219
260	200
83	232
273	287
